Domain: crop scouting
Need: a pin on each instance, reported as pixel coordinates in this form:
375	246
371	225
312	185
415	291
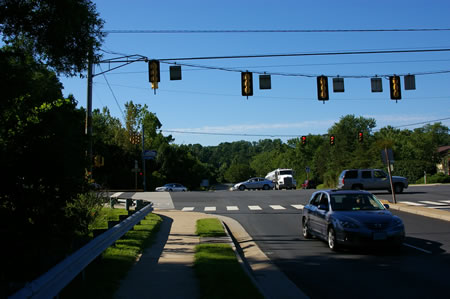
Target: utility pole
88	126
143	158
124	60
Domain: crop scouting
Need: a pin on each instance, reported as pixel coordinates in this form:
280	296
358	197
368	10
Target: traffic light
303	139
322	88
99	161
247	84
154	73
394	83
332	139
135	138
360	137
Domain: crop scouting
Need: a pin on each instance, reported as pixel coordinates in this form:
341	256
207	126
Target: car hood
364	216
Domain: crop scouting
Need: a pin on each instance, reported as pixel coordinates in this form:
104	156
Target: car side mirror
386	206
323	207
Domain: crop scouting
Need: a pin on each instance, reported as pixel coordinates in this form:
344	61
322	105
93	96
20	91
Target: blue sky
210	101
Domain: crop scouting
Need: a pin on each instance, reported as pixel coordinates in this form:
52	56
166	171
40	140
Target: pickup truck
370	179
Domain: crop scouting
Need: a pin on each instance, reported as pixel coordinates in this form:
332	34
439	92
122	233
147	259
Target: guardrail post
128	203
139	204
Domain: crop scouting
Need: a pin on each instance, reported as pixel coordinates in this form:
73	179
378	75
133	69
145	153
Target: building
444	165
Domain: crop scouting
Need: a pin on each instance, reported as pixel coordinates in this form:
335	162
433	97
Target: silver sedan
254	183
172	187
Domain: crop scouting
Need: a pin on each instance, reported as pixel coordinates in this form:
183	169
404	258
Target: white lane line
412	203
440	207
277	207
117	194
446	201
432	203
255	208
232	208
187	209
420	249
298	207
210	209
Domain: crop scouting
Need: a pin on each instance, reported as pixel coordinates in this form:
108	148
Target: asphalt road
272	218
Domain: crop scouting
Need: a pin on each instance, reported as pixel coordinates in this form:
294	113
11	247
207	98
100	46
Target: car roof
340	191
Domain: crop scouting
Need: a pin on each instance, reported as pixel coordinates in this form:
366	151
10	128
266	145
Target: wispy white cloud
307	127
239	128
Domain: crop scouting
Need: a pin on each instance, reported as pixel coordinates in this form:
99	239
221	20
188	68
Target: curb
427	212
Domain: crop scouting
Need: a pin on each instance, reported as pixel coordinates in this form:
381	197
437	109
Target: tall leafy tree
62	34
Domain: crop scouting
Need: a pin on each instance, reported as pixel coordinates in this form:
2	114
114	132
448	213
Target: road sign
390	156
307	169
149	154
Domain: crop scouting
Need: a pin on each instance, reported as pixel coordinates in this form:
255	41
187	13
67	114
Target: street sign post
387	156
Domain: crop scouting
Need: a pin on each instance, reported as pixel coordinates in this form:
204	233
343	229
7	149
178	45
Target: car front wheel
305	230
398	188
332	242
266	187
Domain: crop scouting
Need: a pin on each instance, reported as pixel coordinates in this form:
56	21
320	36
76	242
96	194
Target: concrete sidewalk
165	270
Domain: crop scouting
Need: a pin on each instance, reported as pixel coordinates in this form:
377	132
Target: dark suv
370	179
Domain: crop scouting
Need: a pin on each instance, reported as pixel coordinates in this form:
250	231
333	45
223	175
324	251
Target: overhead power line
178	31
306	54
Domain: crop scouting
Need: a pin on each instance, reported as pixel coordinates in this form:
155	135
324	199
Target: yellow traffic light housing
247	84
154	73
395	87
322	88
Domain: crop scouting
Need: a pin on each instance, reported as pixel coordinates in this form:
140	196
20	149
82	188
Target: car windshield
283	172
355	202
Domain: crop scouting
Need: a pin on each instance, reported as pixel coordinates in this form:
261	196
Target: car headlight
397	222
348	224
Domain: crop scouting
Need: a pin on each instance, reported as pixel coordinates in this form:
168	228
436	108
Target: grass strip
210	227
102	276
218	270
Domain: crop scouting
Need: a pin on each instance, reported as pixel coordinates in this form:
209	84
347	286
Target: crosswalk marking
432	203
298	207
441	207
412	203
188	209
255	208
277	207
446	201
117	194
232	208
210	209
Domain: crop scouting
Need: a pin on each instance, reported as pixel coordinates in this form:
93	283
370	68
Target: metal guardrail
51	283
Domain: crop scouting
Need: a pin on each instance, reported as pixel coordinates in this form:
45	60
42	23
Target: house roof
443	149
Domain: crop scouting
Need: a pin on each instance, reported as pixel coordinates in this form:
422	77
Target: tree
238	172
61	33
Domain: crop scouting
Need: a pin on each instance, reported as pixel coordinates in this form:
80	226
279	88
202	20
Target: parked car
350	218
172	187
309	184
254	183
370	179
